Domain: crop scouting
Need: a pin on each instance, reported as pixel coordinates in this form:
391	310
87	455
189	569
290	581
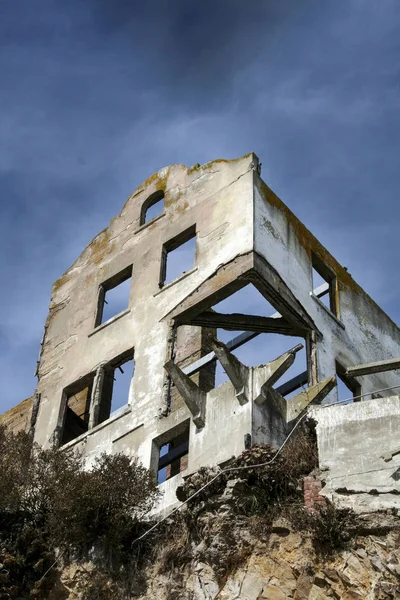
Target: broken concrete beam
193	396
389	455
276	402
272	372
315	393
374	367
34	414
237	372
242	322
291	408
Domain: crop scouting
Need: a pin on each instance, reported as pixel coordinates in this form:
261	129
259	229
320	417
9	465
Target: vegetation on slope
50	506
54	512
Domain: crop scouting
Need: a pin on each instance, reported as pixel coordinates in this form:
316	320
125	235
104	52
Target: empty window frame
324	285
171	452
348	388
77	399
84	409
152	207
178	256
116	386
114	296
253	348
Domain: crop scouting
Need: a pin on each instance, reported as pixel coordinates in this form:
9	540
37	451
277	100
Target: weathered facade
174	419
359	454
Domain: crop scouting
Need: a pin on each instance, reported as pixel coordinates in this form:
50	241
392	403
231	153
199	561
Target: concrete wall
217	197
353	442
227	422
362	332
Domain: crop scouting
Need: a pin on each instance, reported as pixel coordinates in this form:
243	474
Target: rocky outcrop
281	565
252	538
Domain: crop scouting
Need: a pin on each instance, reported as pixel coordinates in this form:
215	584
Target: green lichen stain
272	229
194	168
309	242
161	182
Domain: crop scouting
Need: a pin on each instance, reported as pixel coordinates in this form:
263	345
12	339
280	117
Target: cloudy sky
95	96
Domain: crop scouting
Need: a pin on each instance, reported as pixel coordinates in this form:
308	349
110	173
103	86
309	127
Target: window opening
162	472
265	348
152	207
76	421
248	300
178	256
261	348
123	376
348	388
117	384
322	275
172	456
114	296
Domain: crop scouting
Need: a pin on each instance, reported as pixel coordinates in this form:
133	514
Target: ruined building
128	309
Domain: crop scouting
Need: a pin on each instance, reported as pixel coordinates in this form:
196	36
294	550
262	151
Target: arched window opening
152	207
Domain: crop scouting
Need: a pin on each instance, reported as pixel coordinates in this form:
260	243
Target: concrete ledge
174	281
145	225
112	320
326	309
124	410
127	432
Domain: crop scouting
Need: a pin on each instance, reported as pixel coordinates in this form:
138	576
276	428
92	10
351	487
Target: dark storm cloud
95	96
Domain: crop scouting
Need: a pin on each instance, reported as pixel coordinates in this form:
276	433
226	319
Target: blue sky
95	96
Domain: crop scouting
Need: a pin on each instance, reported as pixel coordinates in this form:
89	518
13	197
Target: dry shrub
48	500
193	484
174	546
280	482
331	529
260	525
100	587
102	506
15	452
300	455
